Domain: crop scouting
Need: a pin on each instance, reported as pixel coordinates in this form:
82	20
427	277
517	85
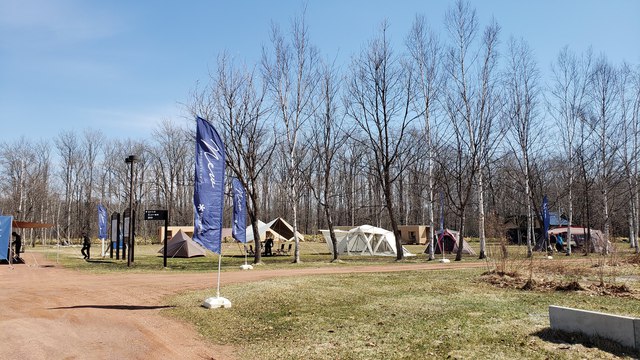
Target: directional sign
155	214
160	215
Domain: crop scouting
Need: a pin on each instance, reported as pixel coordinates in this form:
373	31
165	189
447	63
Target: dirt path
47	312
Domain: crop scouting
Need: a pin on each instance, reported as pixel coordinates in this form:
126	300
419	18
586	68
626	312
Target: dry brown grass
633	260
597	275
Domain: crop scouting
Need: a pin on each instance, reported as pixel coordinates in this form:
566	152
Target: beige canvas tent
181	245
278	229
364	240
449	242
579	238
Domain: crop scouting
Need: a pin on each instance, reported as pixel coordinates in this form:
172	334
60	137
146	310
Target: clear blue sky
121	66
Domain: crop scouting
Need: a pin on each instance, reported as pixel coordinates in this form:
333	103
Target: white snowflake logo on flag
201	208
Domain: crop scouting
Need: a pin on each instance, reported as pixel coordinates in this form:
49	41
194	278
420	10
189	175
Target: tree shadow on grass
606	345
115	307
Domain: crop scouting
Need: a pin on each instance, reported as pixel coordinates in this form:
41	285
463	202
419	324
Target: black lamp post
130	160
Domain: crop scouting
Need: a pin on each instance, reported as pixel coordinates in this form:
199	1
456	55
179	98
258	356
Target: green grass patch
420	314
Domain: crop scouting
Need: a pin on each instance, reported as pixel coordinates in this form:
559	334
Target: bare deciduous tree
91	145
378	99
605	99
291	76
327	138
522	93
169	159
567	103
472	103
630	116
425	49
68	148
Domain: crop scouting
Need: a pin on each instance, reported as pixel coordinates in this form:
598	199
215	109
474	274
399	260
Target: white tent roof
365	240
278	228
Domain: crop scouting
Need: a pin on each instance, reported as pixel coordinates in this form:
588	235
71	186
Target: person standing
17	244
559	243
267	246
86	246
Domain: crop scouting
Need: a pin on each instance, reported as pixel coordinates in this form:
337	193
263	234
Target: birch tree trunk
426	51
530	223
291	77
481	216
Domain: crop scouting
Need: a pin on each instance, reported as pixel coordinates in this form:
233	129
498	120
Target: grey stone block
622	329
636	326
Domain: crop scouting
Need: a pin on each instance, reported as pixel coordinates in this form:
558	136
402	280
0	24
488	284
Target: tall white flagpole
219	265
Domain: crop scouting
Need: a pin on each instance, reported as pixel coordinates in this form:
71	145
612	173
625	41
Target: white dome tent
365	240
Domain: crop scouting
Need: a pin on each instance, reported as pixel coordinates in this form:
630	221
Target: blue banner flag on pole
102	222
545	216
239	230
5	235
208	194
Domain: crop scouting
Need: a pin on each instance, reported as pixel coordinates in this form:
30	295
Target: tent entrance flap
449	240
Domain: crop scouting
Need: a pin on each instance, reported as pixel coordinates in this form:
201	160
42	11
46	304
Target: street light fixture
131	159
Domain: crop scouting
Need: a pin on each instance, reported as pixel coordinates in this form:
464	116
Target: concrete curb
621	329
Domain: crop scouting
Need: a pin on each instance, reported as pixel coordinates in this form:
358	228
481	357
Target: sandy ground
48	312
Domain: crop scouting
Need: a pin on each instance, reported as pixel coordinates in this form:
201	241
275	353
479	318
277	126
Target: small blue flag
239	230
208	194
102	222
5	234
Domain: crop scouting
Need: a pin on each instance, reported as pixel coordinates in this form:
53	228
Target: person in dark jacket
86	246
17	244
267	246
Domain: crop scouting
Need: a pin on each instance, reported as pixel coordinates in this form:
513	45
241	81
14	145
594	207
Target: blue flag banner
102	222
208	194
5	235
239	230
545	216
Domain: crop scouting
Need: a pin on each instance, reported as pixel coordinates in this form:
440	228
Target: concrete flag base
216	302
445	261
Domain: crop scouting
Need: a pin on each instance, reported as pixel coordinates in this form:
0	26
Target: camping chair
281	250
250	252
288	249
